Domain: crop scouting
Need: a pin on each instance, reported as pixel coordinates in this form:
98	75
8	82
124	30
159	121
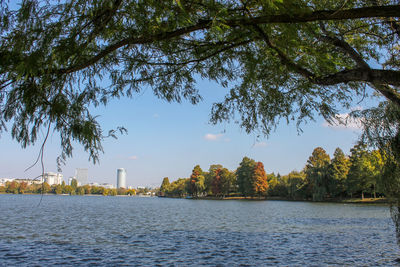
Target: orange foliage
260	184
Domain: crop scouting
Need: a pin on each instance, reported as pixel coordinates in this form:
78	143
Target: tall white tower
121	178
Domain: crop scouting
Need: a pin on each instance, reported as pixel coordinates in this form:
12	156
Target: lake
114	231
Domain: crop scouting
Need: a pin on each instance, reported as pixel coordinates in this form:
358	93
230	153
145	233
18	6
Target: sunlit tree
244	174
259	180
317	173
338	171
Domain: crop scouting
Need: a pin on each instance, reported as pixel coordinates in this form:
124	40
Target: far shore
348	201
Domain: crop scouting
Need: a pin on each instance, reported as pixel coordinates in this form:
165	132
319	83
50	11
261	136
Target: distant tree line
322	178
15	187
248	180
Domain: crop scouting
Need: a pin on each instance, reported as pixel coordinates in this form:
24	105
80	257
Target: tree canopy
290	59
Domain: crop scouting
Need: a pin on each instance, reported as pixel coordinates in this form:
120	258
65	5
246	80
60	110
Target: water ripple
116	231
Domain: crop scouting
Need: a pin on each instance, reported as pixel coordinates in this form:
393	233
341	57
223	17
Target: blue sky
169	139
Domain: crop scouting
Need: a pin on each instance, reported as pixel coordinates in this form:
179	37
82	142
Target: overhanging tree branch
378	79
301	17
361	75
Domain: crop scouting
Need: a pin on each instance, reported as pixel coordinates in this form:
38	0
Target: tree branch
301	17
391	77
345	47
321	15
378	79
198	60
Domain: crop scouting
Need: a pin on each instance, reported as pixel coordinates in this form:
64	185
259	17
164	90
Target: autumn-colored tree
209	177
23	186
260	184
12	187
196	184
216	182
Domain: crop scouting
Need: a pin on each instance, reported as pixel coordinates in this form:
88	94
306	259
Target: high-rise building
81	176
121	178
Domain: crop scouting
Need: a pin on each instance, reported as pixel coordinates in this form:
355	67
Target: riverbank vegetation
357	175
15	187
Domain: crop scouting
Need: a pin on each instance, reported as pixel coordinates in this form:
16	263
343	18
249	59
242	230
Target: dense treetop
288	59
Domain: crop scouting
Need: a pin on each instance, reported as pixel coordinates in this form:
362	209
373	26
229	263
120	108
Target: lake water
113	231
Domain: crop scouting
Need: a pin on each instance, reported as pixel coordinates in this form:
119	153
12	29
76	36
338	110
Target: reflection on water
96	230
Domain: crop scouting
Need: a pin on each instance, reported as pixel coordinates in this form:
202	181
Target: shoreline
343	201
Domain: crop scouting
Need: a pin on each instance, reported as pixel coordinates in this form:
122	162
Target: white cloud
133	158
260	144
213	137
344	122
156	115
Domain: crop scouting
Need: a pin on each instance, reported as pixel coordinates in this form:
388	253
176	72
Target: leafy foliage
244	176
288	60
363	172
260	184
338	171
317	173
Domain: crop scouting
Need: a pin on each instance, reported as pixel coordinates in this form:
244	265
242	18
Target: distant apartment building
81	176
53	178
